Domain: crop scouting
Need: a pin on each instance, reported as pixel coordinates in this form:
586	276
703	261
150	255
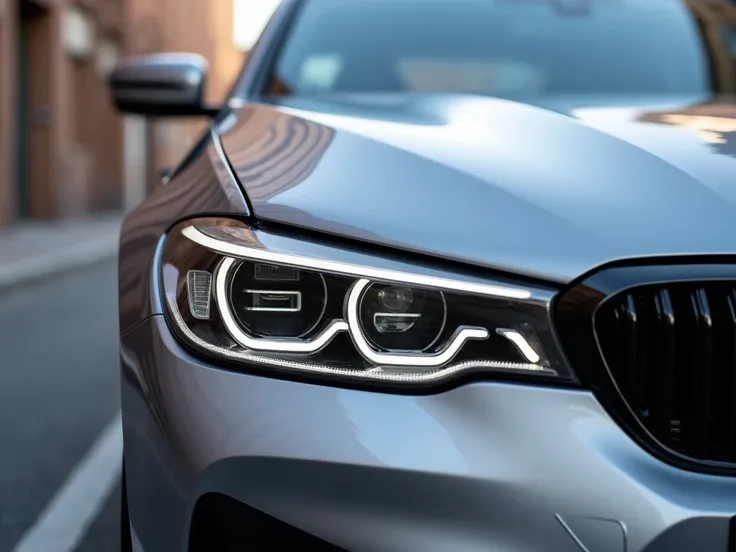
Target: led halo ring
297	346
352	326
415	360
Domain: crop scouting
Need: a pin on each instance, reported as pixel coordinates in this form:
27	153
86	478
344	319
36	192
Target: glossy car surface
562	166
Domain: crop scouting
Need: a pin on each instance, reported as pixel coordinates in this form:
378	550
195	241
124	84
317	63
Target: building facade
204	27
60	140
63	149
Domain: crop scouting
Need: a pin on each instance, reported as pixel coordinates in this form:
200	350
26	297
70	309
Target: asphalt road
58	390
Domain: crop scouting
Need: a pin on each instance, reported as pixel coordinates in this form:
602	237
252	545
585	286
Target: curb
59	262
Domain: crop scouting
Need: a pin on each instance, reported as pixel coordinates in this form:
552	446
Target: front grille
671	352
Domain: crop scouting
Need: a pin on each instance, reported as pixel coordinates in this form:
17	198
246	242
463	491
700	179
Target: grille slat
701	366
671	350
731	442
631	337
663	392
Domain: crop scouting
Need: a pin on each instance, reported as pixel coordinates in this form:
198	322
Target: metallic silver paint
526	455
550	191
547	191
485	466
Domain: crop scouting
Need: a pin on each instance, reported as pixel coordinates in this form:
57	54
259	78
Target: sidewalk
34	250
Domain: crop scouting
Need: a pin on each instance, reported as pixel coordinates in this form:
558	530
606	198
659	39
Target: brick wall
199	26
60	141
64	121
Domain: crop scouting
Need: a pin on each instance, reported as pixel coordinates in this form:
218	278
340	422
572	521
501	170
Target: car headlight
290	305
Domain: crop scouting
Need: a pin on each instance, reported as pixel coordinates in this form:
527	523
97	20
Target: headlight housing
293	306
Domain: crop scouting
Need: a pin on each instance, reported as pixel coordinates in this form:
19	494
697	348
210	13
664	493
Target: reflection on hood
714	123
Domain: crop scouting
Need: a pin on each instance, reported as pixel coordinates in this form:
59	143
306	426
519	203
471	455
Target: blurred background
70	167
63	150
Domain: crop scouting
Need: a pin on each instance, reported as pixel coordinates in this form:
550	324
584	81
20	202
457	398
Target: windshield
493	47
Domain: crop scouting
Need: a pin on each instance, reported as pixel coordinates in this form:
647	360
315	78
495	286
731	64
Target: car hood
545	189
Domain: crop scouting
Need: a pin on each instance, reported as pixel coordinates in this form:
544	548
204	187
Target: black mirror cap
161	85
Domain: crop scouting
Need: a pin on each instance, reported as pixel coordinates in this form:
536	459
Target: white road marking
64	521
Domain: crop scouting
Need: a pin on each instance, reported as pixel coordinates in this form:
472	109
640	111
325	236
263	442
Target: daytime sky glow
249	18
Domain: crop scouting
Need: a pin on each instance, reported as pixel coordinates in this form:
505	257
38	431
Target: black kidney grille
671	350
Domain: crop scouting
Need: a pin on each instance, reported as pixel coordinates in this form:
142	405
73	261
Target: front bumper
482	467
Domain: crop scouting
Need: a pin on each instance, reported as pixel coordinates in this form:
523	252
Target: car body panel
200	185
550	191
541	189
483	466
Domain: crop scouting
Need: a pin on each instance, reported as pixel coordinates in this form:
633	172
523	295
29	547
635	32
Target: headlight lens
285	304
270	301
401	318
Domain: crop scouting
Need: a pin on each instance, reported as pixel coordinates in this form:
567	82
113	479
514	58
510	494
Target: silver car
442	276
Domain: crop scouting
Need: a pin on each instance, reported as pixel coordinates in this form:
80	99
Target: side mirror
161	85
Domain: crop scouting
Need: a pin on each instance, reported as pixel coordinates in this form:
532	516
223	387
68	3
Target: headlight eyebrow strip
254	253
